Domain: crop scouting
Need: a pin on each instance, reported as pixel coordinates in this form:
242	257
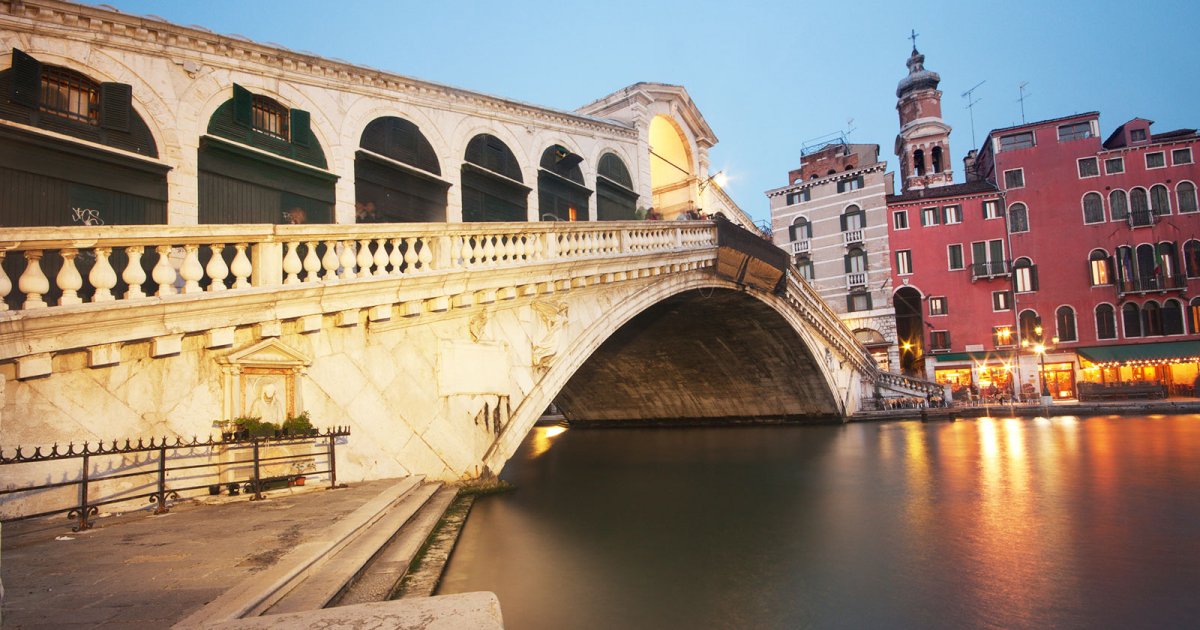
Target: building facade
832	218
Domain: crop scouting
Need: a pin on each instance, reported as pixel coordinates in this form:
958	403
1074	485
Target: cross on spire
913	37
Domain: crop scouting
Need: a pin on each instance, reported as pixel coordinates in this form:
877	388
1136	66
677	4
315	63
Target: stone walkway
142	571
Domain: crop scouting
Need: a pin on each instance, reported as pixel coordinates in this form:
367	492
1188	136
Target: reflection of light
543	439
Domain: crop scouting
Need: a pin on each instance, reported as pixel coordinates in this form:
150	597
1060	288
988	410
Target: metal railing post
161	496
81	513
256	480
332	461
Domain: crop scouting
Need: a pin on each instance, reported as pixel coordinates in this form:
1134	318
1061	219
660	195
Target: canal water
988	523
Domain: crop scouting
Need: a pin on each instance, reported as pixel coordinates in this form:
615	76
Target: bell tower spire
923	145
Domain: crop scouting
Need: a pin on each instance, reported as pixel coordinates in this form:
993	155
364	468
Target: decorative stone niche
263	380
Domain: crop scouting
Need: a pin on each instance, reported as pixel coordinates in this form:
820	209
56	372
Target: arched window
1191	258
1025	275
1064	323
1029	325
616	199
1139	207
852	219
562	195
831	172
397	177
1126	277
1166	262
936	154
800	229
918	162
1100	266
1194	316
1172	317
492	188
1160	200
1093	208
1186	193
1018	218
1152	321
856	260
849	167
1147	272
1106	323
1131	318
1118	205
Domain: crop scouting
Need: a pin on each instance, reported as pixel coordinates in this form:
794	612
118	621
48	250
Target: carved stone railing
828	325
909	383
129	263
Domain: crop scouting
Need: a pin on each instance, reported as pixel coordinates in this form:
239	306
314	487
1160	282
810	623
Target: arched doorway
396	175
671	172
910	331
492	186
615	198
562	195
877	345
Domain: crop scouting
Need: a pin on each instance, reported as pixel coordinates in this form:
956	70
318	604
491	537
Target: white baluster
133	274
410	255
33	283
163	273
291	263
241	267
520	250
102	277
69	281
381	257
365	259
396	257
489	250
312	264
456	247
5	283
425	256
330	261
191	271
510	248
216	269
347	260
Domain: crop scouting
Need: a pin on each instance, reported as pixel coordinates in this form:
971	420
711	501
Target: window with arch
616	199
492	186
1185	192
1018	218
562	194
1160	201
936	154
856	260
1172	317
1152	320
1029	326
397	177
1166	261
1093	208
806	269
1100	266
1118	205
918	162
1139	207
1064	324
1025	275
1146	267
1131	320
1191	258
800	229
852	219
1106	322
1194	316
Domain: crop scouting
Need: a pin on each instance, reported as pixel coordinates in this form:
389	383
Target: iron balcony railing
159	470
990	269
1148	284
1141	218
800	247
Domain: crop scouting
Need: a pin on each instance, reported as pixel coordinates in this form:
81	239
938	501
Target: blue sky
767	76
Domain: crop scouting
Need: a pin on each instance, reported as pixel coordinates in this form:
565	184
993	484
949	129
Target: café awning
1143	353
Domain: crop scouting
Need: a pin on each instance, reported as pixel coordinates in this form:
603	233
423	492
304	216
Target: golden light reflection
543	439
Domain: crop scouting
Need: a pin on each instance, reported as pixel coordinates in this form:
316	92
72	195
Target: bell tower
923	145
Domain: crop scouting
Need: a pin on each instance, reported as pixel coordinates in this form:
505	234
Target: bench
1120	391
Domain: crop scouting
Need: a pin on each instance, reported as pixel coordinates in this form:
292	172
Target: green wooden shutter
301	128
243	104
116	106
1033	279
846	260
27	79
843	220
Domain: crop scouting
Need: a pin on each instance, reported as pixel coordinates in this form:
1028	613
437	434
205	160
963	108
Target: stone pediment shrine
262	380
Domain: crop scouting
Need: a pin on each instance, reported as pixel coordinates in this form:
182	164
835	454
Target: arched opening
1185	192
852	219
1100	266
1064	324
1118	205
1160	200
492	186
877	345
666	366
1194	316
1093	208
1146	267
910	331
616	199
918	162
799	230
936	156
397	178
260	163
1018	218
1029	326
1131	320
1172	317
671	171
1191	258
562	196
1152	319
1106	322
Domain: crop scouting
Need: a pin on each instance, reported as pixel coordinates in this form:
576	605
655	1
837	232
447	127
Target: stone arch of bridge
696	312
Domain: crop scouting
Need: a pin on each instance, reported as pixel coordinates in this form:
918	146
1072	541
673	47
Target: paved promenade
141	571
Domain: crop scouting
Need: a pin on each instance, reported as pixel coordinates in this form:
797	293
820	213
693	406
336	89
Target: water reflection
998	522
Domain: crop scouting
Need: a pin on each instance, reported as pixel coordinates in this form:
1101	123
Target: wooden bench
1120	391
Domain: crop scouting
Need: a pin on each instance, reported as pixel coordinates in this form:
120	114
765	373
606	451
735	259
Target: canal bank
1027	410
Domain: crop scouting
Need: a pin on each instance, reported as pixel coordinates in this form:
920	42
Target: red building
1059	250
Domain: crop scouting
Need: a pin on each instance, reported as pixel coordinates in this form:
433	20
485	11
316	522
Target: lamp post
1040	349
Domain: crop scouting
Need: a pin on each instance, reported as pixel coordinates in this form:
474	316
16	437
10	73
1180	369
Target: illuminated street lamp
1040	349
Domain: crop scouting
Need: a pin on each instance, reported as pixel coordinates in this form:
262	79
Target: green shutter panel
922	214
27	79
116	106
243	103
301	128
846	259
843	220
1033	279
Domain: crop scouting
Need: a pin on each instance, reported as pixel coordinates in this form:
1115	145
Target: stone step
382	576
259	591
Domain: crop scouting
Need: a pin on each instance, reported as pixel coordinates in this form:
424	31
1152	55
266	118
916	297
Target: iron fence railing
211	464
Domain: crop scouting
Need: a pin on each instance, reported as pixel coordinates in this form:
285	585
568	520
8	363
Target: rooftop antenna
1021	100
849	128
971	101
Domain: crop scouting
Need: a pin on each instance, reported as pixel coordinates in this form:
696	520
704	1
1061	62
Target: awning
995	355
1143	353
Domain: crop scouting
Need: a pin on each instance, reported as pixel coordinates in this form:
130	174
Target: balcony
852	237
1157	283
990	269
799	247
1141	218
856	279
